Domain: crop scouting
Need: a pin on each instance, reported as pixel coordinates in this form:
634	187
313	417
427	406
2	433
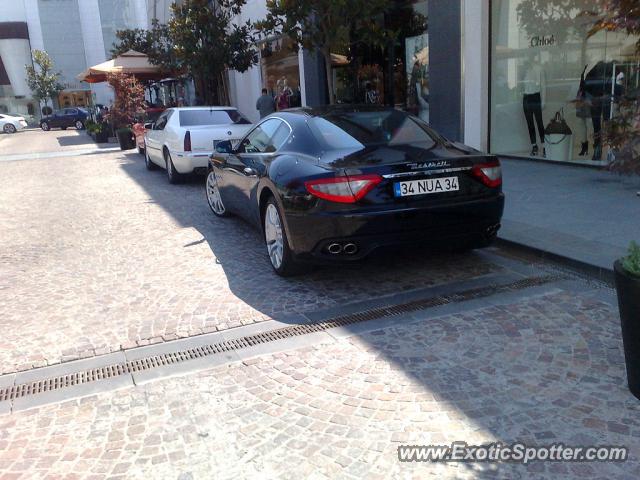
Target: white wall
12	11
476	17
94	51
15	55
32	16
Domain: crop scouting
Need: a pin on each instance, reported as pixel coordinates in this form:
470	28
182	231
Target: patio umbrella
131	62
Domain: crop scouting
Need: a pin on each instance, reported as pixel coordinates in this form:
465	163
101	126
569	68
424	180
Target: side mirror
223	146
148	126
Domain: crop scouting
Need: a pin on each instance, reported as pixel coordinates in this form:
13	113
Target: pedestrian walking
265	104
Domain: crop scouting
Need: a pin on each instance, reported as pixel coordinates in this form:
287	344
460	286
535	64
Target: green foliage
154	43
41	77
201	40
207	42
631	263
129	99
325	25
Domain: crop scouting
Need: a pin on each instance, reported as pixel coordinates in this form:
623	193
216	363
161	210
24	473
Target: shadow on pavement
541	370
80	139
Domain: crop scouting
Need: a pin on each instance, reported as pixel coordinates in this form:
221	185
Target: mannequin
284	94
533	103
598	83
583	112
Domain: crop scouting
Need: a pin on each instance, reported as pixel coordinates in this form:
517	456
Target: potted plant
627	276
129	100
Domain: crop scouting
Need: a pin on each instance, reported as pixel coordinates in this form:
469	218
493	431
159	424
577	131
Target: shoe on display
584	149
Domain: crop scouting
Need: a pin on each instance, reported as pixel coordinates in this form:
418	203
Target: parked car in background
11	124
336	183
150	115
182	139
31	120
65	118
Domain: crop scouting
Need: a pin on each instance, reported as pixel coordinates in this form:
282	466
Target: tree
206	42
623	131
324	25
41	78
155	43
129	99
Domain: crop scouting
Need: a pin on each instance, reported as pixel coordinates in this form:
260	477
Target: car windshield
355	129
190	118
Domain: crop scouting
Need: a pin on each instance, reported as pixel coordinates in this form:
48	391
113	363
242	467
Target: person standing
265	104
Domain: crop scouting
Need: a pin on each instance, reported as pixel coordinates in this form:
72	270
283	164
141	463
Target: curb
599	273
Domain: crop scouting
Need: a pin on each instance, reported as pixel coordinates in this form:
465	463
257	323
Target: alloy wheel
79	125
273	235
213	194
8	128
44	126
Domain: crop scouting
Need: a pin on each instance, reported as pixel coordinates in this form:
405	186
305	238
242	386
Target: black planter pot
102	137
125	139
628	288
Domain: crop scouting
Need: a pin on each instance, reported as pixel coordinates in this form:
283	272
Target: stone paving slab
100	255
540	370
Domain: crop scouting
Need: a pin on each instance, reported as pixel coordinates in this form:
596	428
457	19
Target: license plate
425	186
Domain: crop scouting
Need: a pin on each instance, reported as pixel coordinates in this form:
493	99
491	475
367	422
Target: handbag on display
558	125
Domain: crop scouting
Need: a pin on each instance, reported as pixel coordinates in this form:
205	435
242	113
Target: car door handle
250	172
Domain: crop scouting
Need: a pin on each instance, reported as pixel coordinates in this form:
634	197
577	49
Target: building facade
512	77
75	33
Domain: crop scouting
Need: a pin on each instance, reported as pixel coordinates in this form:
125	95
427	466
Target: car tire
79	125
147	161
277	243
9	128
173	176
63	128
45	126
214	198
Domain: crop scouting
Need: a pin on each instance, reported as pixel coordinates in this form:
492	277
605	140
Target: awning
131	62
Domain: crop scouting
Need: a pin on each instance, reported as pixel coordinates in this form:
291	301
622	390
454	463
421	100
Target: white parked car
182	139
11	124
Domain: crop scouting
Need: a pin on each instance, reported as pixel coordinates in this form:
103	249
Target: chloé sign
542	41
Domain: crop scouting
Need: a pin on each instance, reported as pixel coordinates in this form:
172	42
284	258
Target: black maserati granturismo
335	183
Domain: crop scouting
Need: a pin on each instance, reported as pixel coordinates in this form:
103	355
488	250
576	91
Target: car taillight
187	141
489	173
347	189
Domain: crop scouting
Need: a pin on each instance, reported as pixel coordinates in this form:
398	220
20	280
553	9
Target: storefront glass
394	74
281	73
554	87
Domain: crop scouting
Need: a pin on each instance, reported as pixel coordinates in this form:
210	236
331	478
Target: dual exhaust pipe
338	248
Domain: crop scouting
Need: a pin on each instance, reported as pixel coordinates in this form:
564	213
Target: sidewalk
580	213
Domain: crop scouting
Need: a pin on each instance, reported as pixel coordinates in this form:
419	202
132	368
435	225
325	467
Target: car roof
323	110
202	107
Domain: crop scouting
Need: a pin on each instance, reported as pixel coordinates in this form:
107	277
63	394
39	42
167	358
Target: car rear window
190	118
355	129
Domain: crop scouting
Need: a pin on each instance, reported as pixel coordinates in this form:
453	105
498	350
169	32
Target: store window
553	87
395	73
281	73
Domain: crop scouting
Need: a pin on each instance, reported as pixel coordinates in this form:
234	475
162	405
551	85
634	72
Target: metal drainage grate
148	363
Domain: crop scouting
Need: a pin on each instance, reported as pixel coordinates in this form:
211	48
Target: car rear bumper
189	162
471	223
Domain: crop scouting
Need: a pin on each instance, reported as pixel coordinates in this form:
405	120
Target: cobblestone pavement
36	141
539	370
99	254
